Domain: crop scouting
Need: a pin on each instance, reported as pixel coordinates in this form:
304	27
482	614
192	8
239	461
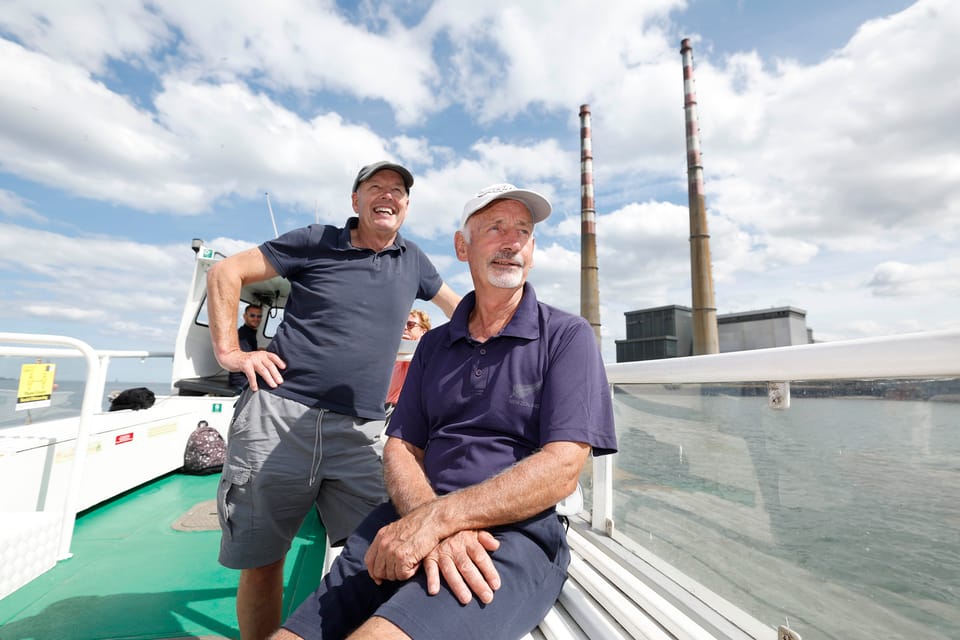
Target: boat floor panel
133	576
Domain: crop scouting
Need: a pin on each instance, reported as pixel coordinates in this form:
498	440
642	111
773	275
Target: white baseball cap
538	205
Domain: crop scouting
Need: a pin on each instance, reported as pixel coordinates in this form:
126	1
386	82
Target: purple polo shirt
476	409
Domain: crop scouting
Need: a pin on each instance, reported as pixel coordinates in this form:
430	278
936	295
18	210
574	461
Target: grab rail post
90	400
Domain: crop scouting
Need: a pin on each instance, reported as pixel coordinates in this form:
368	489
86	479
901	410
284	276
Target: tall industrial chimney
705	338
589	273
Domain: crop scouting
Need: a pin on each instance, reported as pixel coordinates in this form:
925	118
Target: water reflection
839	513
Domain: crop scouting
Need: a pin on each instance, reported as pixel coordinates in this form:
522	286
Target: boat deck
133	575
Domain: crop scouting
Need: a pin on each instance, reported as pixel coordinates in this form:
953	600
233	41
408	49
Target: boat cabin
196	371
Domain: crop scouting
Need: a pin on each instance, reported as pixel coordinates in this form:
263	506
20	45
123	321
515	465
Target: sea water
838	516
65	401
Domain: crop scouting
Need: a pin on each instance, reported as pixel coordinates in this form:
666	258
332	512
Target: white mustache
512	258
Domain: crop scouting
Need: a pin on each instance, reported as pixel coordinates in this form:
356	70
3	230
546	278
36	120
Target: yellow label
161	429
36	385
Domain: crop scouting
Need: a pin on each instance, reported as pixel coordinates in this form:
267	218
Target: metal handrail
932	353
97	363
90	399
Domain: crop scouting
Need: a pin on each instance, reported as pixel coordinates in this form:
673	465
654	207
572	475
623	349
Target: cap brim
371	170
537	204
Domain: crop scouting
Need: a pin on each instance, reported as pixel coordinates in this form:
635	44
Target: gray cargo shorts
283	458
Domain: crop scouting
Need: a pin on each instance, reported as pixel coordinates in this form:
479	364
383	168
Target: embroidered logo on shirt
522	392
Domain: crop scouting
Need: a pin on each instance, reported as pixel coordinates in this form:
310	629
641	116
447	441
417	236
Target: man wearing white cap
500	411
306	432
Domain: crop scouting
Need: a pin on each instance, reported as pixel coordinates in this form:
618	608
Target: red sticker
123	437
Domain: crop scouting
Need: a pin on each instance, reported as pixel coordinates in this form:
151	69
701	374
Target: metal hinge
778	395
786	633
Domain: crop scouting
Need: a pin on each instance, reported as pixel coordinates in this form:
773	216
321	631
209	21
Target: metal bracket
786	633
778	395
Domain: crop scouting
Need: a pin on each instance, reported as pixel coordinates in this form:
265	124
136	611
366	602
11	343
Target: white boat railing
97	363
932	353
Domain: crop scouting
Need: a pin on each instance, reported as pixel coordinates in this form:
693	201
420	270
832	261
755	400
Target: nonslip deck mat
200	517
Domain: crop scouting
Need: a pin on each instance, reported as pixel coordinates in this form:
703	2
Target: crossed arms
447	535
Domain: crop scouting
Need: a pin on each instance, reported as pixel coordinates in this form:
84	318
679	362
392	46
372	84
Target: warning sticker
36	386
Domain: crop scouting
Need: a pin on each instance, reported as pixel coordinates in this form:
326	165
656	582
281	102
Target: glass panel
203	319
839	516
67	397
65	400
272	322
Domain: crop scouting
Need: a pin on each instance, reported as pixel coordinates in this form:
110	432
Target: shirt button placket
479	379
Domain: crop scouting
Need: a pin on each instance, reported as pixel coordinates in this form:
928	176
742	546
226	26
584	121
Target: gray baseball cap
538	205
367	172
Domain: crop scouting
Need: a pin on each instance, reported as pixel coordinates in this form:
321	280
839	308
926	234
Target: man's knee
259	576
283	634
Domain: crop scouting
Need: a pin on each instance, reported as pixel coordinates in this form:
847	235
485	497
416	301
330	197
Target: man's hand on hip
265	363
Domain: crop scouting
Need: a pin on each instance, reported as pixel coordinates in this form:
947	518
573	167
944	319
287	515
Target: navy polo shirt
478	408
344	318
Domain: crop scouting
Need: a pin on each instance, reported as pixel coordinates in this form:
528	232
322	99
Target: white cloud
87	33
308	47
509	58
833	186
84	314
14	206
835	150
94	281
933	279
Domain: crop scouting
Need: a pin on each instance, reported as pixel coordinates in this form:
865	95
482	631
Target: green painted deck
133	576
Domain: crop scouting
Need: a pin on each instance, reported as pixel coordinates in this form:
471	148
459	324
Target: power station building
667	332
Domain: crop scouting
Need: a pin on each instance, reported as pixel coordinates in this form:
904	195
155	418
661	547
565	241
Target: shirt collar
525	322
343	240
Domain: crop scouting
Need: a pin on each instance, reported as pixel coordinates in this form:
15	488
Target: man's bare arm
446	299
224	281
535	483
403	473
438	527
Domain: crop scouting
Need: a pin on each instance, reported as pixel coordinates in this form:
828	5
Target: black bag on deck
206	450
136	398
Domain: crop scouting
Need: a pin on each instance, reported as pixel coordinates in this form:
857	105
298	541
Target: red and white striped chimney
705	336
589	271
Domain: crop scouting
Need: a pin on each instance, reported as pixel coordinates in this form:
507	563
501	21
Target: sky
829	133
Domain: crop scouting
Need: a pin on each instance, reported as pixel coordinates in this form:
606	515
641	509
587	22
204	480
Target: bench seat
602	599
206	386
605	599
578	613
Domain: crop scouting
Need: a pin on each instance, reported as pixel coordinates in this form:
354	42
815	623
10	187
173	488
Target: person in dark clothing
500	410
247	334
310	437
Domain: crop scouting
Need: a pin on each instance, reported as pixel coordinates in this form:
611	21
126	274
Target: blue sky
828	132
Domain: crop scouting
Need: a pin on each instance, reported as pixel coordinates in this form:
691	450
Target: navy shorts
283	458
532	562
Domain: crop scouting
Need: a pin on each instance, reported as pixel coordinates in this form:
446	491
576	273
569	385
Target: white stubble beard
506	278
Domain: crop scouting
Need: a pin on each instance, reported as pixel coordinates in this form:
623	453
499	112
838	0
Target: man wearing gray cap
307	429
499	412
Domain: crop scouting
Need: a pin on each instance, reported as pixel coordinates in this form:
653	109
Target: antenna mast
272	219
